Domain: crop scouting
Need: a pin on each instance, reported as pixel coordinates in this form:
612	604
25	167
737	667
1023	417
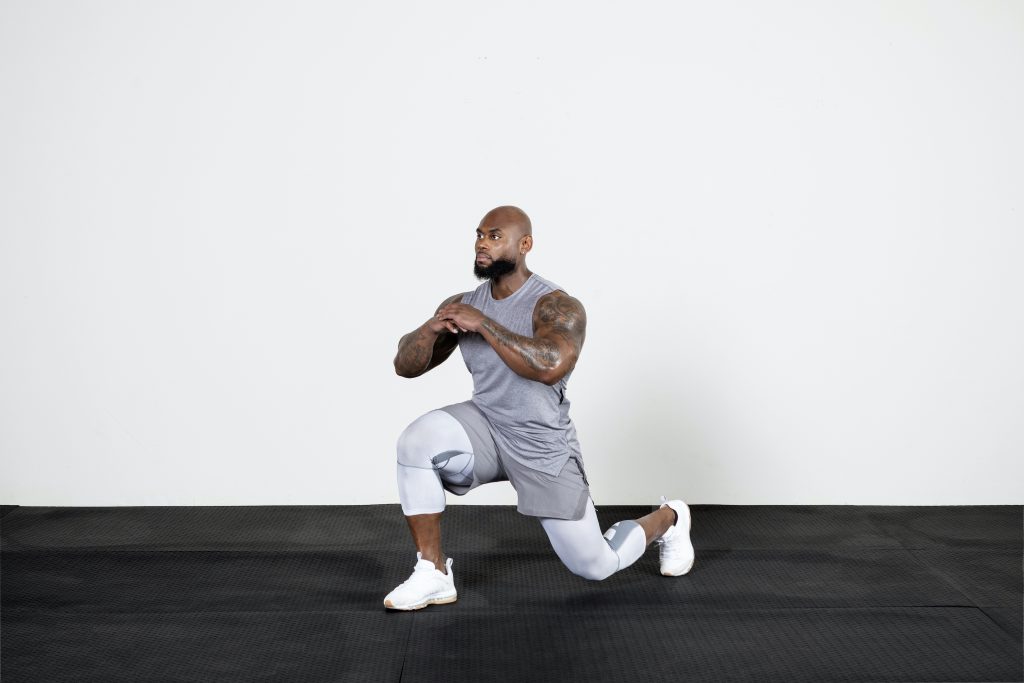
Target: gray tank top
531	418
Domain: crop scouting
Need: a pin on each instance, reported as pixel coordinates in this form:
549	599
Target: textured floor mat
906	644
203	646
294	593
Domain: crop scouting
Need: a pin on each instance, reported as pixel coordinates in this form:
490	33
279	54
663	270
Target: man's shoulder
558	307
551	292
547	285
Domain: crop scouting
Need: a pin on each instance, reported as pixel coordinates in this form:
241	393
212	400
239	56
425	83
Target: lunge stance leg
592	555
434	450
586	552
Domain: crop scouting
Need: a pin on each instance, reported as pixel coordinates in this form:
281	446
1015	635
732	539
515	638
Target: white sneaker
676	550
426	586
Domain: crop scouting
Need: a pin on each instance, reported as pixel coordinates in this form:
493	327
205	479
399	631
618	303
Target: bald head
503	240
508	218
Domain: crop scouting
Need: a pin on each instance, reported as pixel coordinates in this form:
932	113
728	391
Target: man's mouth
483	257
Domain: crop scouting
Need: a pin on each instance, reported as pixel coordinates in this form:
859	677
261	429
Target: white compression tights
435	447
432	448
582	548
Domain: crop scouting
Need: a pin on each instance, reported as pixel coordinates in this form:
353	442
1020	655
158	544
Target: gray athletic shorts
539	494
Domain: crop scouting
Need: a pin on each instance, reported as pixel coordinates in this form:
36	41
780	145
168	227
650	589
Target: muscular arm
559	327
427	346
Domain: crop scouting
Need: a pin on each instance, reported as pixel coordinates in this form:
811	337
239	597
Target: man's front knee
414	443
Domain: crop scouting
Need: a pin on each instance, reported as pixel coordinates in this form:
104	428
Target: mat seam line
956	586
910	550
405	650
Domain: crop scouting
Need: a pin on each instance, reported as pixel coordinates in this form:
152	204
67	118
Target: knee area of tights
593	568
421	440
592	572
623	533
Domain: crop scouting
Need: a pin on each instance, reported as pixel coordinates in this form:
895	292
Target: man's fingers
446	315
451	314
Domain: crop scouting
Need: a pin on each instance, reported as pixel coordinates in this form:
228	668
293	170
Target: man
520	337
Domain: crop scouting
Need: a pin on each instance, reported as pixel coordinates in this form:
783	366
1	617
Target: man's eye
495	237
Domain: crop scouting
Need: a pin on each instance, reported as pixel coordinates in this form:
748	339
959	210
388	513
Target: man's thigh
486	464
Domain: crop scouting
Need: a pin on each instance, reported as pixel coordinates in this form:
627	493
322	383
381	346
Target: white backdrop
796	228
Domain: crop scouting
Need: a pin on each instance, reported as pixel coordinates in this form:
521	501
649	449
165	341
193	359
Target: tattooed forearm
539	354
413	354
417	349
559	326
427	346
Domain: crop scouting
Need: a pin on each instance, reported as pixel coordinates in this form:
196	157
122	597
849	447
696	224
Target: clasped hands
459	318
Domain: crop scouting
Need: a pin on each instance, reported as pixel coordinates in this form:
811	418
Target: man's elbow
554	375
544	377
402	371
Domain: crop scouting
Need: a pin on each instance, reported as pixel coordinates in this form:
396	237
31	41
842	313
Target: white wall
796	227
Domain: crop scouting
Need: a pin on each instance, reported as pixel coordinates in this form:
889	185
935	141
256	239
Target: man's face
497	251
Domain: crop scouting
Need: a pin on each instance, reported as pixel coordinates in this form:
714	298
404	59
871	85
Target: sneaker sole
432	601
680	573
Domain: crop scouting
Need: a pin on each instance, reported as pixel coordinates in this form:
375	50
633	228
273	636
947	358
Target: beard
497	268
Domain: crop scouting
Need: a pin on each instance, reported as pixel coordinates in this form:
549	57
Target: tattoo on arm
539	354
414	354
559	325
422	350
443	347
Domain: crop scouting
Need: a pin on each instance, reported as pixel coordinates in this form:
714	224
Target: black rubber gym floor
778	593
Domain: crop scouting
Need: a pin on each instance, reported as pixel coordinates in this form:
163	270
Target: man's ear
526	244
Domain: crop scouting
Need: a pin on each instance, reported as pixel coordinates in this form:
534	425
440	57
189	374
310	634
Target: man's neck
507	285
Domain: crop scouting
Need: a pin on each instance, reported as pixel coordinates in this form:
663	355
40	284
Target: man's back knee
594	568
